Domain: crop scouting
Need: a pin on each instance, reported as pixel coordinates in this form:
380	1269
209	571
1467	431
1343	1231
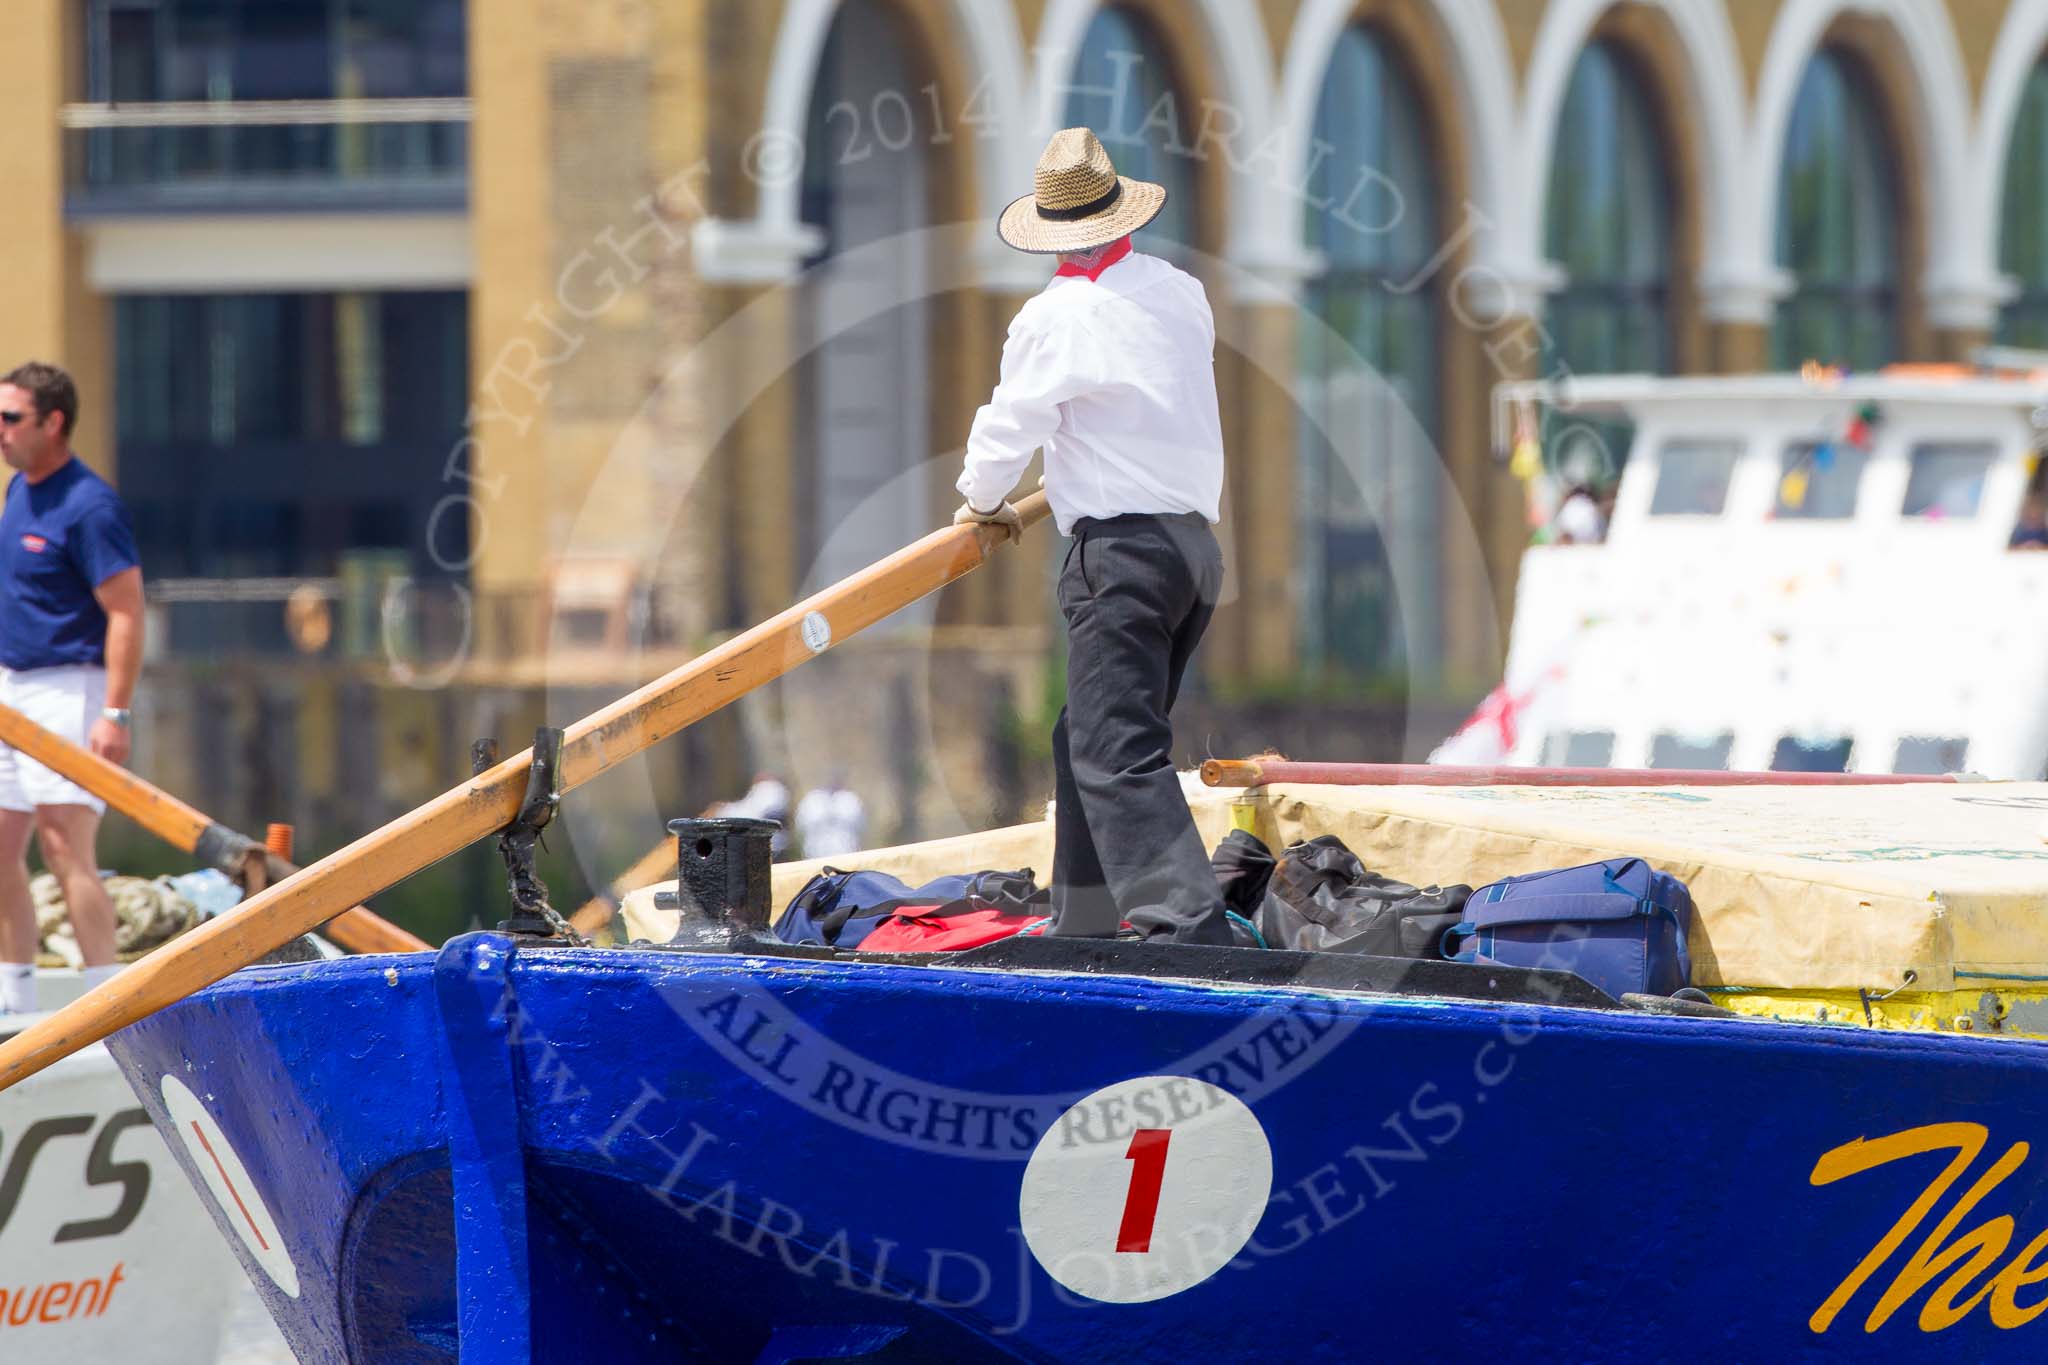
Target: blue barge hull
647	1155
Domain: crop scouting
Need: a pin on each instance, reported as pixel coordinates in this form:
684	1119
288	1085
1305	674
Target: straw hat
1078	201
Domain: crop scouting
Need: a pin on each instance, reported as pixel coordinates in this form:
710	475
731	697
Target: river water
251	1337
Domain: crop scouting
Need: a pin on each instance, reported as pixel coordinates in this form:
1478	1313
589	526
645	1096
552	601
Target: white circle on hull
1145	1188
227	1180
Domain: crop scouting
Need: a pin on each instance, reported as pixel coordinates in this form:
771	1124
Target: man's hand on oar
1004	518
490	800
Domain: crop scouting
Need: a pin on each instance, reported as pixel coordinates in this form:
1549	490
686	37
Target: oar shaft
489	801
188	830
361	930
157	811
599	910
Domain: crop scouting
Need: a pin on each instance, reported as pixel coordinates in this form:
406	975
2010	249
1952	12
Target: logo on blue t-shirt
59	541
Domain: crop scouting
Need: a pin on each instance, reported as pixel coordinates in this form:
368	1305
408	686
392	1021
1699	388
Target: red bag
943	928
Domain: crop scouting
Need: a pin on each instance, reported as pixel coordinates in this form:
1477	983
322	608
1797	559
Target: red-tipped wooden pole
1258	772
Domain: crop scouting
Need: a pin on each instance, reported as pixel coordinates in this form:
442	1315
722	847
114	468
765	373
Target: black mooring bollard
722	876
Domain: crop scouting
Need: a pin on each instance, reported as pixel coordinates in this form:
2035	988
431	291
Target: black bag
1322	899
1243	865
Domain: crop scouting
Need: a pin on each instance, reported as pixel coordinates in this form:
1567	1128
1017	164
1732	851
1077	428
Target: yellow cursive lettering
1963	1259
2005	1308
1982	1245
1863	1154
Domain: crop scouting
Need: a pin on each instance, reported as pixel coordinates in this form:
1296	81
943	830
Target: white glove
1004	519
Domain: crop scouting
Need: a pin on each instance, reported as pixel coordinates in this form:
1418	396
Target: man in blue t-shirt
70	653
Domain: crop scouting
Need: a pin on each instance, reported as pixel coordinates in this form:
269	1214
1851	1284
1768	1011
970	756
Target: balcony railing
255	156
372	613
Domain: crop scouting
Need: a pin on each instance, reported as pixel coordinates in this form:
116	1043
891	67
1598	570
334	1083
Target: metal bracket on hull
723	884
532	916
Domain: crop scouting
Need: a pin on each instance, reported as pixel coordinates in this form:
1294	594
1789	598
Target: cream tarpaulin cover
1796	887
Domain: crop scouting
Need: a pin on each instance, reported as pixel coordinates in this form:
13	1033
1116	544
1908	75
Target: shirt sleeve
1041	370
104	543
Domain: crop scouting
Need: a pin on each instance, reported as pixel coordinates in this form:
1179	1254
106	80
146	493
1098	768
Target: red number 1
1147	1156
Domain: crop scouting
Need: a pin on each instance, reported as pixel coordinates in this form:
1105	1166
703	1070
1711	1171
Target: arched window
1368	477
2023	236
1125	88
1608	222
861	491
1838	210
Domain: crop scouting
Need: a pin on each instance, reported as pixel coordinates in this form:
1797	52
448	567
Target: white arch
1484	86
770	246
2022	41
1243	60
1960	283
1717	93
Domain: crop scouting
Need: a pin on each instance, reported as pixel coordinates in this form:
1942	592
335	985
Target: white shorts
65	701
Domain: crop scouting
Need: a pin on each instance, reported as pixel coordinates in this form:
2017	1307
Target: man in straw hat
1112	371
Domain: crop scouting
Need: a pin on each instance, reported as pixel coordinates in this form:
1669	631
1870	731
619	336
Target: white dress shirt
1116	378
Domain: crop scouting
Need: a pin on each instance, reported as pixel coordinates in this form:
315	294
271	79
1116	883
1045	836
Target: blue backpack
1620	924
838	909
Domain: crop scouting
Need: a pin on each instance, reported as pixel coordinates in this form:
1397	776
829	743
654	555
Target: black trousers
1137	593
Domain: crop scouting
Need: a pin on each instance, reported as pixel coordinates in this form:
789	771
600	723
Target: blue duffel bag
1620	924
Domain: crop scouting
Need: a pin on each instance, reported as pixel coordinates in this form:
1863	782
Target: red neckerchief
1118	249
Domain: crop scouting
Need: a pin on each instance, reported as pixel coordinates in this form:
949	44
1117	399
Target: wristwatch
120	715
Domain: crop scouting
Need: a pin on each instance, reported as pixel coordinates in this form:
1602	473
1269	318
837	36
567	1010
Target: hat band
1087	210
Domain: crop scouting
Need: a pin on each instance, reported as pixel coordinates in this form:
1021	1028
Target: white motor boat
1800	572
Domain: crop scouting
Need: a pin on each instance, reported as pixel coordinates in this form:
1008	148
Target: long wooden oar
190	831
489	801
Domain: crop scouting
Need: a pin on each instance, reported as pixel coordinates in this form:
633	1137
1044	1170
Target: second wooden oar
489	801
602	908
190	831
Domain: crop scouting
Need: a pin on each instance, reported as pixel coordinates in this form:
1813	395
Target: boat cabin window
1579	749
1828	475
1795	755
1693	477
1948	479
1670	750
1930	754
